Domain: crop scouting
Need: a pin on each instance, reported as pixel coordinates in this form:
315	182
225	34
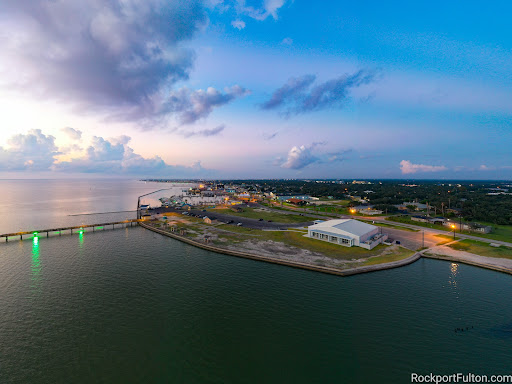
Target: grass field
483	249
251	213
400	254
500	232
381	224
443	239
297	239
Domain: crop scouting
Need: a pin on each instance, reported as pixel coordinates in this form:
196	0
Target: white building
347	232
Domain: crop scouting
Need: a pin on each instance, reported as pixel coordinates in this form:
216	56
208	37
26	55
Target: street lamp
453	227
352	210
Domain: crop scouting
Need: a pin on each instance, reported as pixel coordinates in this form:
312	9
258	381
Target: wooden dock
63	229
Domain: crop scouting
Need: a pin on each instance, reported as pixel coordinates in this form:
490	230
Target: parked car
270	221
260	220
239	224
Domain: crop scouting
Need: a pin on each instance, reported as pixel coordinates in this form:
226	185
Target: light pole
453	227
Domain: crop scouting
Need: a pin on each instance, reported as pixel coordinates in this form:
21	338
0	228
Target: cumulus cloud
115	57
297	95
301	156
205	132
35	151
407	167
191	106
238	24
72	133
287	41
114	156
32	151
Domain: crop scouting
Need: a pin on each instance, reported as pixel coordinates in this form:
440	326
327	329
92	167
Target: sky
255	89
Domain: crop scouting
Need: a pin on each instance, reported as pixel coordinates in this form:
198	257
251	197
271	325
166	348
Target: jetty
79	228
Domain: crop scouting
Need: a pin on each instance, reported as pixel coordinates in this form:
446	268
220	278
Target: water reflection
80	238
452	280
36	264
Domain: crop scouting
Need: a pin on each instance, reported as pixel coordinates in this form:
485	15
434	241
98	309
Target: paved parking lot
412	240
246	222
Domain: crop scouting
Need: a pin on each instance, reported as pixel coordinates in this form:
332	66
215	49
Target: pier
79	228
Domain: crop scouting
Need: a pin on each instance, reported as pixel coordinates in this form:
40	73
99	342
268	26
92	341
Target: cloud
191	106
484	167
291	91
72	133
287	41
238	24
270	136
114	156
266	9
205	132
33	151
297	96
407	167
108	56
301	157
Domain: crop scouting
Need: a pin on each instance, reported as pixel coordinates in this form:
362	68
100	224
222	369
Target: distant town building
347	232
296	201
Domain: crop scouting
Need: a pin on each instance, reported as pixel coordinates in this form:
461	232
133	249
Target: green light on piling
35	234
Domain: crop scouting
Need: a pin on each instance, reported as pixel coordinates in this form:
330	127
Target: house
296	201
417	206
208	220
367	210
438	220
347	232
421	219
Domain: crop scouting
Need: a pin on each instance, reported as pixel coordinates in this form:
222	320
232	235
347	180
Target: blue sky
263	89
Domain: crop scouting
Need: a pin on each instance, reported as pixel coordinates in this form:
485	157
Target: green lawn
500	232
483	249
444	239
380	224
251	213
400	254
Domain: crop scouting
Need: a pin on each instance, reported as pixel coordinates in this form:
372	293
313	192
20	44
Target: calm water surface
129	306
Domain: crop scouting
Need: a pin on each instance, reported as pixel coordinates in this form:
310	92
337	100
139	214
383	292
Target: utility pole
423	239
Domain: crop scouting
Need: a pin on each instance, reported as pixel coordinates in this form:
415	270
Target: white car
239	224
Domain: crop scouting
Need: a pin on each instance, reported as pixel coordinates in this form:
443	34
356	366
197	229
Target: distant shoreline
311	267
